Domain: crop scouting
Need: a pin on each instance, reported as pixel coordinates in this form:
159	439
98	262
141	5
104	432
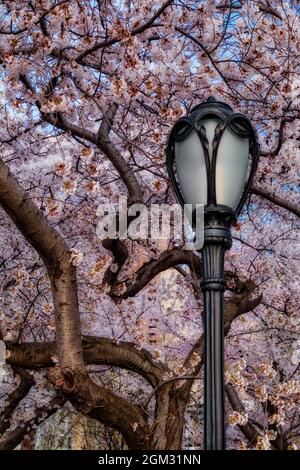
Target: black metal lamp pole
217	239
212	157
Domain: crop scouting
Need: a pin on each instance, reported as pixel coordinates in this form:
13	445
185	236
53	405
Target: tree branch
134	32
247	429
120	164
101	404
101	140
96	350
276	200
56	255
16	436
168	259
276	150
267	8
15	397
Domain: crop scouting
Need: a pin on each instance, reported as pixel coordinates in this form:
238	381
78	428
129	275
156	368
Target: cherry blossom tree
89	90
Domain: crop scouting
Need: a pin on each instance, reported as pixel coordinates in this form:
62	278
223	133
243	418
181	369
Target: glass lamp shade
191	169
231	168
204	174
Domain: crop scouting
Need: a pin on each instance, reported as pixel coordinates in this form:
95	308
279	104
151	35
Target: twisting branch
280	139
168	259
120	254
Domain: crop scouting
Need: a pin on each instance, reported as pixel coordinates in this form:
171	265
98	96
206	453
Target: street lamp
212	157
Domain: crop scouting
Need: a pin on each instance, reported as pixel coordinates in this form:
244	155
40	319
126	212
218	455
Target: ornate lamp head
212	156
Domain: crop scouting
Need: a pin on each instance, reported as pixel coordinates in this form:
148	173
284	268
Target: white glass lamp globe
231	166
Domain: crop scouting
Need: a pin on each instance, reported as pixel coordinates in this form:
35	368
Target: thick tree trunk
167	431
176	422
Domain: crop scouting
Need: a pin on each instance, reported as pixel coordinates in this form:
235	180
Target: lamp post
212	156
